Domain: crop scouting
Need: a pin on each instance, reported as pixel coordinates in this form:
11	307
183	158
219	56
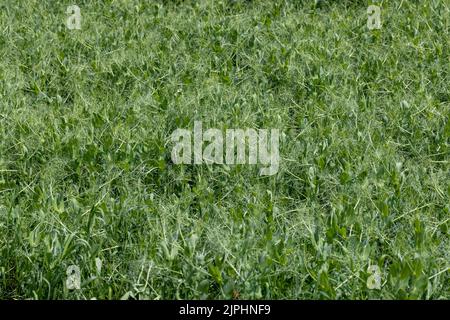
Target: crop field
93	205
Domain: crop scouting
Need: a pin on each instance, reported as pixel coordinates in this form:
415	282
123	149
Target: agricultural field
358	207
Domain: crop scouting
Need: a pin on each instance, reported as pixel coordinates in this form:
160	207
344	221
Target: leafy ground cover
86	173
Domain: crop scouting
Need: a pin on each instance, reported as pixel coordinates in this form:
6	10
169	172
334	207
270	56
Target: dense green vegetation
86	172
